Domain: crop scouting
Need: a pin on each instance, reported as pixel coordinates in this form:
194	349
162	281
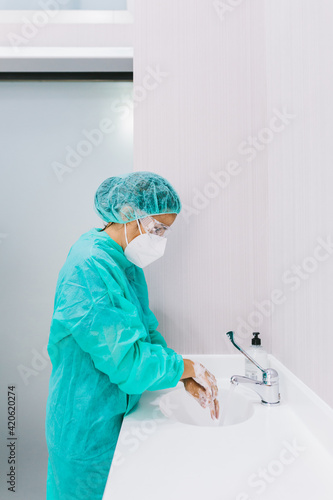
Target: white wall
230	75
190	126
300	77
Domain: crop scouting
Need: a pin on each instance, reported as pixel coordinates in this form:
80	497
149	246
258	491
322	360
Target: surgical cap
132	196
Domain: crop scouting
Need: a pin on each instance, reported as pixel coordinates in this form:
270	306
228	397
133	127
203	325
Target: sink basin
272	452
181	406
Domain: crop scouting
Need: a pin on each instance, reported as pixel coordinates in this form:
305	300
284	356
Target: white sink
181	406
169	447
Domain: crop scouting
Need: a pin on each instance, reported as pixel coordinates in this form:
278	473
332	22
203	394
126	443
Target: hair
107	225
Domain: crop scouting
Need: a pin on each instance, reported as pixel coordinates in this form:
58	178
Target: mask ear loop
137	221
126	230
126	234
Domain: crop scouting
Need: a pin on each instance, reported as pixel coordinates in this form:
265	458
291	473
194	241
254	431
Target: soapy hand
202	396
205	378
203	387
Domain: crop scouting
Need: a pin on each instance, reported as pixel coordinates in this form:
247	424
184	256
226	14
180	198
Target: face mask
145	248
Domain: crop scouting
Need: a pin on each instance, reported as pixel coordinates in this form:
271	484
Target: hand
203	396
205	378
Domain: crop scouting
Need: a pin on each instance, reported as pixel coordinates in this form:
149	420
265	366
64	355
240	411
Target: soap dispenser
258	353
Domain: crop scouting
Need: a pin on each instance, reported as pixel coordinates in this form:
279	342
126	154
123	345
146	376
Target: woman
103	345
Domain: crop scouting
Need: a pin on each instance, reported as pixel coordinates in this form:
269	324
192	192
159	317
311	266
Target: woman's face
116	231
166	219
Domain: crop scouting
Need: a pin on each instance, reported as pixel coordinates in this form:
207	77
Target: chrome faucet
268	388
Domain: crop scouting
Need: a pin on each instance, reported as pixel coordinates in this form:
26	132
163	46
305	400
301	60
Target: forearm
188	369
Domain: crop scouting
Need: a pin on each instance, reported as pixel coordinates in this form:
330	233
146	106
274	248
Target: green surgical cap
132	196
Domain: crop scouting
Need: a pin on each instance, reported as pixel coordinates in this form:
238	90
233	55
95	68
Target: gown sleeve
155	336
107	326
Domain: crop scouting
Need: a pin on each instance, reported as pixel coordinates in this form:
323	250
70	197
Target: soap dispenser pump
258	353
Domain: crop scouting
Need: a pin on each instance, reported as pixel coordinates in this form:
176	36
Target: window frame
80	76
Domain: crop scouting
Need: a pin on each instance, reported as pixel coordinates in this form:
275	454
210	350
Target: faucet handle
231	337
269	375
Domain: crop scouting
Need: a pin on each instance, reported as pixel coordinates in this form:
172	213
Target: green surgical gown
105	352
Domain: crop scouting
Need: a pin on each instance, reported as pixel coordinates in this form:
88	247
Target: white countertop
283	451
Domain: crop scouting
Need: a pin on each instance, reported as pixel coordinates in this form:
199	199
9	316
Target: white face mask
145	248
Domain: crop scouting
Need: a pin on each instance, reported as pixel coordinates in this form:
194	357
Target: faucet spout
267	388
269	393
